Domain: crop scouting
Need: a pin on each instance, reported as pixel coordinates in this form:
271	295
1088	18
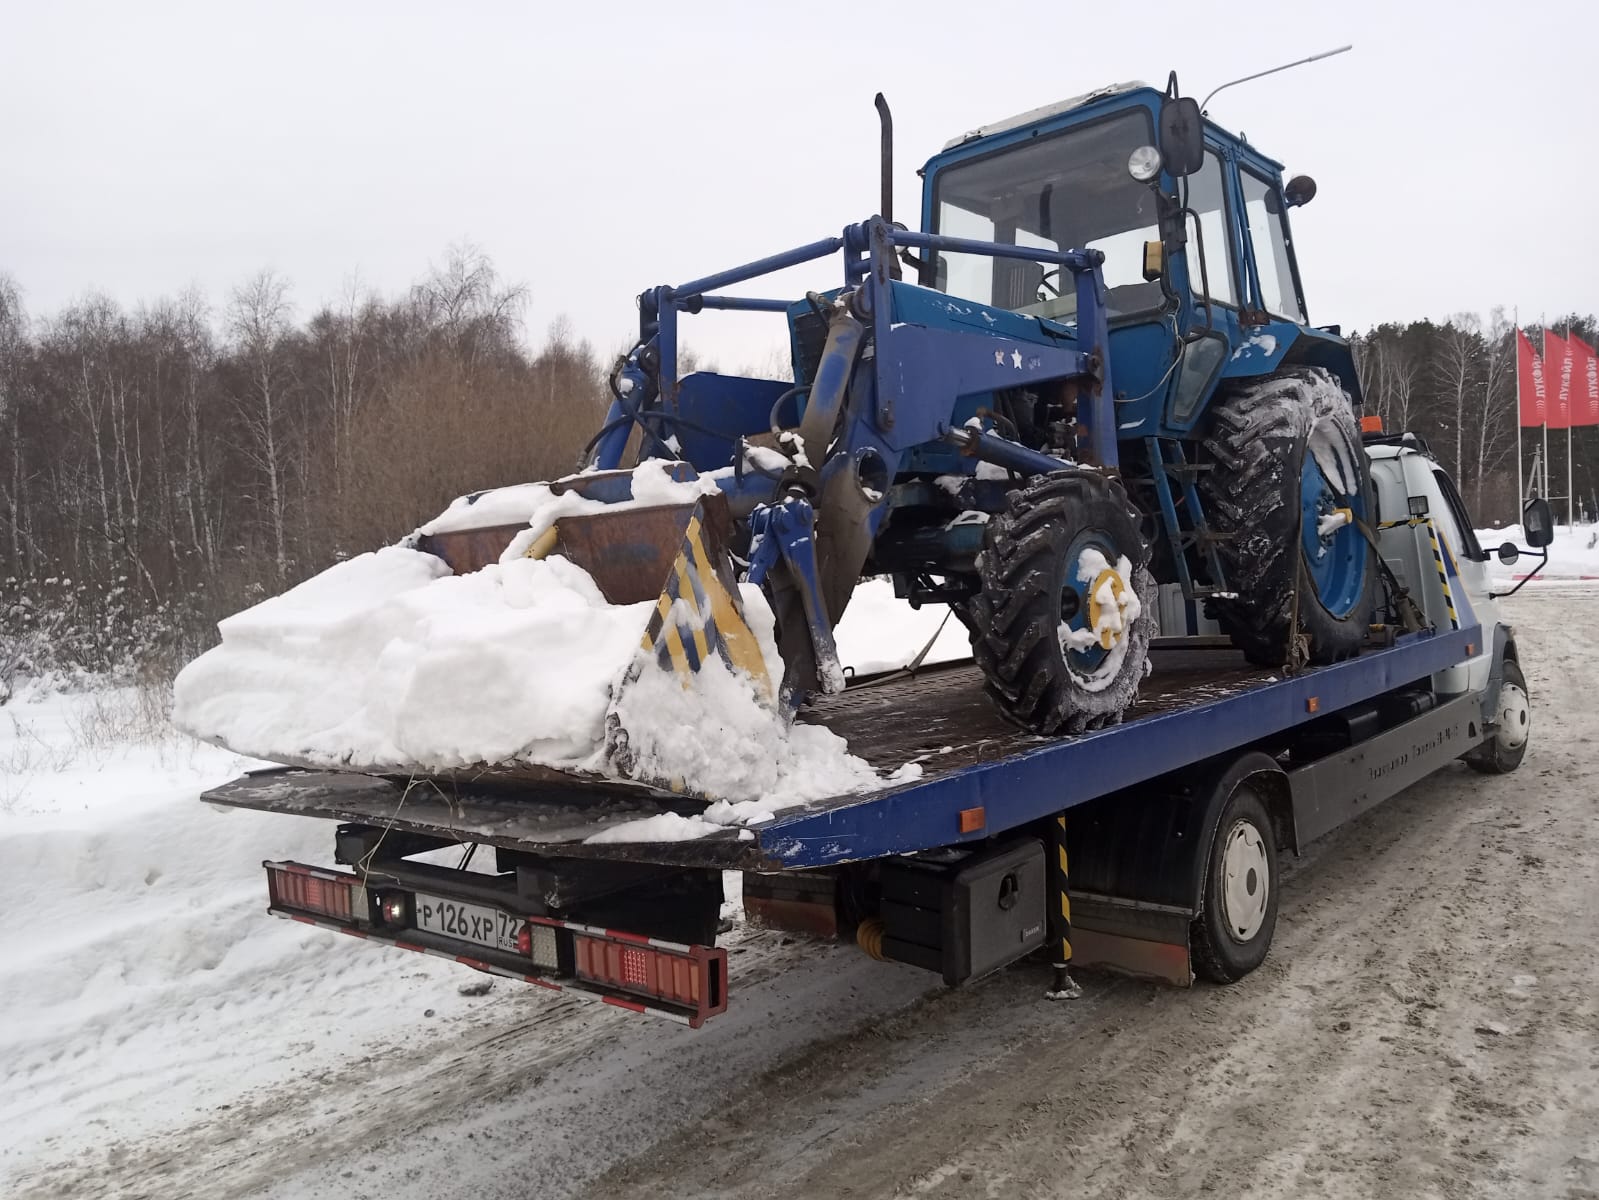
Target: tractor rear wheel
1062	623
1288	482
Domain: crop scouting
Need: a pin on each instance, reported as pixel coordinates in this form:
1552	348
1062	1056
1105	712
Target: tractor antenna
1298	62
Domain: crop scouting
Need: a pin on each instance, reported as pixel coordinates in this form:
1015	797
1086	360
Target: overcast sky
592	149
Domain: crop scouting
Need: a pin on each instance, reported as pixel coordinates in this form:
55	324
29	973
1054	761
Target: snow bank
141	982
389	663
1574	553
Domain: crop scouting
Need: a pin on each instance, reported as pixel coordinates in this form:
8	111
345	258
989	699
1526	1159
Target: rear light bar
683	983
693	976
327	893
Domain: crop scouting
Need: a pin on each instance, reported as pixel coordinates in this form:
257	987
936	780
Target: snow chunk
667	827
1264	342
520	503
389	663
1332	522
794	442
764	458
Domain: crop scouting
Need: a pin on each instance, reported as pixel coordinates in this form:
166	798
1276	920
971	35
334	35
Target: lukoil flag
1530	382
1585	391
1557	359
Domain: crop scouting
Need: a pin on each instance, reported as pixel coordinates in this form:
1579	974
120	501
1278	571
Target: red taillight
689	977
524	941
324	893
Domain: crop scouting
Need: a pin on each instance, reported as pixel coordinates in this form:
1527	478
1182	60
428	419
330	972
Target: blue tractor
1089	373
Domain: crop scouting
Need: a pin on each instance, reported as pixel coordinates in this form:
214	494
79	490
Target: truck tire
1064	562
1507	746
1238	908
1276	447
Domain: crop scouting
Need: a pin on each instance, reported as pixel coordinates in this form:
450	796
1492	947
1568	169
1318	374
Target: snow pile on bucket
389	663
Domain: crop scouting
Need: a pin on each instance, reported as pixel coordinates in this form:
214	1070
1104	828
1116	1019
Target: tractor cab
1200	274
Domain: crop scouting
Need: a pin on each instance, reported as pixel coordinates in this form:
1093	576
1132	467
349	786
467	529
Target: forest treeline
165	465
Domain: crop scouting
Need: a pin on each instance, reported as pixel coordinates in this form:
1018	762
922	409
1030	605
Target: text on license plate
470	922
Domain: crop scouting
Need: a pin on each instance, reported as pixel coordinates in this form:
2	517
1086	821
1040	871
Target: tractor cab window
1068	191
1263	209
1208	200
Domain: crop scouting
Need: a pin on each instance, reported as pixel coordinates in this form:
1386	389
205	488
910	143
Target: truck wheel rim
1245	881
1515	717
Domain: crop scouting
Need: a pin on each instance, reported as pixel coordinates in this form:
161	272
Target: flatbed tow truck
1150	846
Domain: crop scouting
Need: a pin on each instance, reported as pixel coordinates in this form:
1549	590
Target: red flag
1585	397
1530	383
1557	358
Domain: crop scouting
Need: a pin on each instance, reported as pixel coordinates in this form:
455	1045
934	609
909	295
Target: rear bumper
649	976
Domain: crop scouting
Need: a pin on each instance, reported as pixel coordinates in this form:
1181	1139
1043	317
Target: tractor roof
1048	110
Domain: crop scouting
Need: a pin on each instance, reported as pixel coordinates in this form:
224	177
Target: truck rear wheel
1507	746
1238	911
1062	622
1288	481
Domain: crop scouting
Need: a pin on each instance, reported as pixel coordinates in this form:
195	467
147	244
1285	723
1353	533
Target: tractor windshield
1068	191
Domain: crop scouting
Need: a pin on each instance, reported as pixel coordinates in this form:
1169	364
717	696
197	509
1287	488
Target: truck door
1460	546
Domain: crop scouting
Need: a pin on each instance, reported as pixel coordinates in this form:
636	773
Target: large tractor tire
1062	623
1288	473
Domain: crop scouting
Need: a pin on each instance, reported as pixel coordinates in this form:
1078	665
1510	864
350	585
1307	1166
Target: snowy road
1427	1025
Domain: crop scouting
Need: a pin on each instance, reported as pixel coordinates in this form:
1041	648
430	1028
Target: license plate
470	922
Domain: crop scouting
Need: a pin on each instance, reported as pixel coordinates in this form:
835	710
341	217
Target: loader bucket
675	555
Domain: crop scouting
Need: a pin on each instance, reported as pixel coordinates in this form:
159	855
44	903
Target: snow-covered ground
149	1000
143	986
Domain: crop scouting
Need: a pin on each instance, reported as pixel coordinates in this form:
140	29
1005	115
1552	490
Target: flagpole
1570	524
1521	494
1544	490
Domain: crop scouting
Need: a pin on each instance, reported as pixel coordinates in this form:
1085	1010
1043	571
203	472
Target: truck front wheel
1507	745
1233	931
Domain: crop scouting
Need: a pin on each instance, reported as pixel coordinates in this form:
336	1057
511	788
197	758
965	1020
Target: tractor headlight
1143	164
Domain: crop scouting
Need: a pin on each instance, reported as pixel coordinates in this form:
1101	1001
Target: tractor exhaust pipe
886	154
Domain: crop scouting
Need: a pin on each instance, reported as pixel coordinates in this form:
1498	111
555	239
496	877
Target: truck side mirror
1508	554
1538	523
1182	136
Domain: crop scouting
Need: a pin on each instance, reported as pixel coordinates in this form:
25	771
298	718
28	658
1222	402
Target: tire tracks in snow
1426	1025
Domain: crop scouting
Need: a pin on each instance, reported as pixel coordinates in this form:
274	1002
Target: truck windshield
1068	191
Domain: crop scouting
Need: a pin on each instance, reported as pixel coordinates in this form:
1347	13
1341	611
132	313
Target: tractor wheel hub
1108	596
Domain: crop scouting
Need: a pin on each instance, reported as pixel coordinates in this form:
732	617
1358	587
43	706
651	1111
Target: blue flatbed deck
1198	702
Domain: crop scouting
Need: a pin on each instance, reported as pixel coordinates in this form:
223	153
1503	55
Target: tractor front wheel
1061	625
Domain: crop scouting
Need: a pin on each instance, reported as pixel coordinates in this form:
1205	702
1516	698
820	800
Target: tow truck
1152	846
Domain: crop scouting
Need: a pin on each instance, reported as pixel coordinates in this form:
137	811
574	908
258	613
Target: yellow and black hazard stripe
1442	560
698	615
1063	882
1438	552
